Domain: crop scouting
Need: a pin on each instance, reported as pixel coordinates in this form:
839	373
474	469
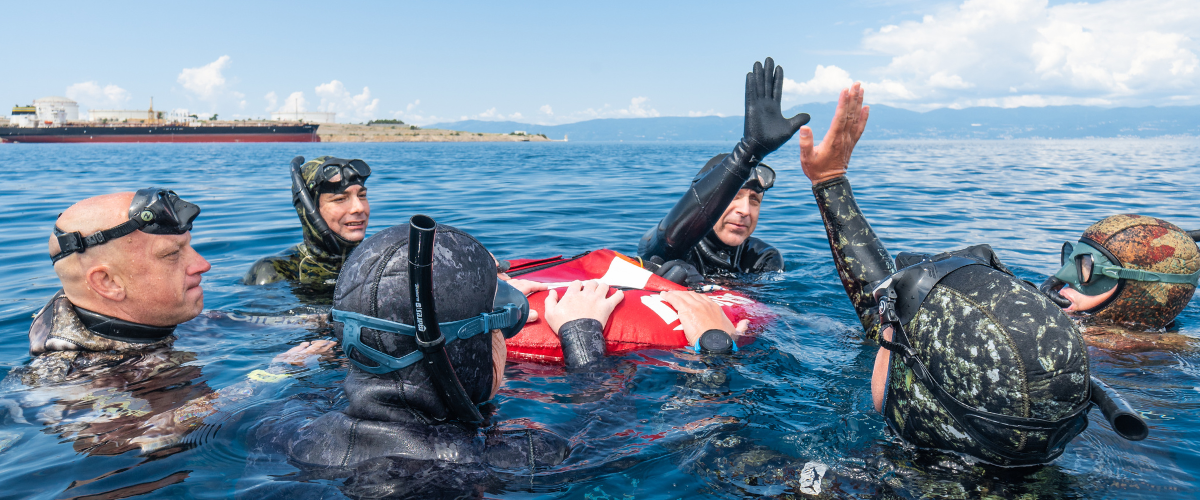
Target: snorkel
303	201
390	349
430	340
1128	269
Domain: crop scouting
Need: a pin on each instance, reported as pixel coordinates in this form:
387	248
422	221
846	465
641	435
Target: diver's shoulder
761	256
273	268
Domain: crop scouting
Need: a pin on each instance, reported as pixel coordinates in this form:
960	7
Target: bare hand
527	287
300	354
831	159
581	300
699	314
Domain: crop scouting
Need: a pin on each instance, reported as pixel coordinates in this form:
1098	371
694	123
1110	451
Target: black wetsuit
686	232
370	430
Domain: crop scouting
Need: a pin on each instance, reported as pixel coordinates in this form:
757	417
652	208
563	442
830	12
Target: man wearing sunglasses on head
709	228
330	196
1128	270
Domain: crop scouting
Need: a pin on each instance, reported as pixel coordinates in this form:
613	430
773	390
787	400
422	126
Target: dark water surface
658	424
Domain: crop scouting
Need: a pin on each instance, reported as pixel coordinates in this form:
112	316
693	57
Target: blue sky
558	62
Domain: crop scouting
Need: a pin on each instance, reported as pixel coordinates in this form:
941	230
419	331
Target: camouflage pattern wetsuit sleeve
860	257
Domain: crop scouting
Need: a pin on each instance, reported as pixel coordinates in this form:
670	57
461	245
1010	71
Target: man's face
161	276
739	219
347	212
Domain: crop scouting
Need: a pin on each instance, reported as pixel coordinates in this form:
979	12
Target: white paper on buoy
810	477
623	274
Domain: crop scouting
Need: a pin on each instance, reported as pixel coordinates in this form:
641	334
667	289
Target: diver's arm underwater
765	130
860	257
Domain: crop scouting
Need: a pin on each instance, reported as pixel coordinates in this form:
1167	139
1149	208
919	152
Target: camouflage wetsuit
990	340
109	396
313	262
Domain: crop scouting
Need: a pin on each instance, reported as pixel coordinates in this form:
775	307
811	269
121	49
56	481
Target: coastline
343	132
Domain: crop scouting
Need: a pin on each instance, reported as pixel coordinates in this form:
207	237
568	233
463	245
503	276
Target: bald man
129	275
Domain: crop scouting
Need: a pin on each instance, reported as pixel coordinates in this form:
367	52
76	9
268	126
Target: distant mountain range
886	122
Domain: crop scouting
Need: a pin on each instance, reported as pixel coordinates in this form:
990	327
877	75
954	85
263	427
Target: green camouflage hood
995	344
1148	244
312	238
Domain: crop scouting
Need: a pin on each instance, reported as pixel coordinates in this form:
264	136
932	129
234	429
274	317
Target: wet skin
740	218
1081	302
346	212
162	284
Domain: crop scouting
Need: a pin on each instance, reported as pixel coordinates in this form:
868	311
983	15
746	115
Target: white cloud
492	115
710	112
546	110
272	100
92	95
295	102
206	82
828	81
336	99
1131	52
635	110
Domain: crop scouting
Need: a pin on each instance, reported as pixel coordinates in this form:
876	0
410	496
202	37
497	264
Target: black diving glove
765	127
680	273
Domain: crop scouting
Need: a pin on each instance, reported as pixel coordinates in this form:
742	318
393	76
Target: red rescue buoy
641	321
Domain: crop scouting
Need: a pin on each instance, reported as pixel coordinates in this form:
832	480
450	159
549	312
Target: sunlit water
645	427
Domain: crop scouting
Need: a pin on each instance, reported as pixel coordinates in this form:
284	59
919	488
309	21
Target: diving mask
510	311
153	211
337	174
1092	270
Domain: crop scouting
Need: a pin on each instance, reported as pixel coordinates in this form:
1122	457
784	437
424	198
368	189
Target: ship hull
169	133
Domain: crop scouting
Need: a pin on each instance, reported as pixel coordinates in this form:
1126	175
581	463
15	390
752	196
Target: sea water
654	424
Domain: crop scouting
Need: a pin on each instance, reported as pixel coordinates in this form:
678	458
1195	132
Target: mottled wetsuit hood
1147	244
312	238
374	282
995	343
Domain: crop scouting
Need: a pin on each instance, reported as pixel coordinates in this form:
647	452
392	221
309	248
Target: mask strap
1151	276
462	329
69	243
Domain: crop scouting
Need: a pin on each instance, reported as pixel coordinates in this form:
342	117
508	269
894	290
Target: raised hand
765	128
831	158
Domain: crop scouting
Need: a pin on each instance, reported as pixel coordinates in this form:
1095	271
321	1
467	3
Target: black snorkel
1125	422
430	340
1195	235
301	198
1050	289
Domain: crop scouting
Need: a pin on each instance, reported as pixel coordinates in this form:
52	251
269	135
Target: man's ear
101	280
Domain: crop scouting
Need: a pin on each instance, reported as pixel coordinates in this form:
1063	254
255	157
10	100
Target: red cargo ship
98	132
